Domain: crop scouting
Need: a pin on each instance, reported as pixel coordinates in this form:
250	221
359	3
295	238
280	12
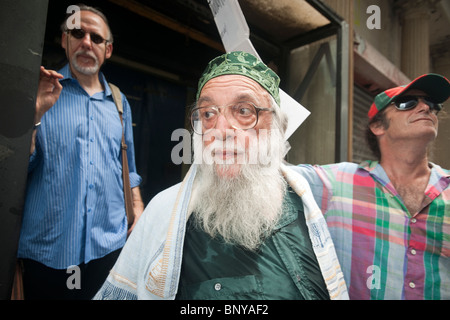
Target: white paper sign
235	35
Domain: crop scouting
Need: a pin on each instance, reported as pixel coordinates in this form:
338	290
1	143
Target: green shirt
284	267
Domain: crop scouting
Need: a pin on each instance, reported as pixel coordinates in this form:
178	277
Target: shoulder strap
117	97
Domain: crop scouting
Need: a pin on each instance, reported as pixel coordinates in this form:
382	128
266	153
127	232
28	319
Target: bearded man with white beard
241	225
74	213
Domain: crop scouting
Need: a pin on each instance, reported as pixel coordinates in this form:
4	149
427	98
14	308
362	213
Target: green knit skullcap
244	64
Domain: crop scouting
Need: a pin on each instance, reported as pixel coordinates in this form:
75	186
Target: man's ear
64	40
109	50
377	128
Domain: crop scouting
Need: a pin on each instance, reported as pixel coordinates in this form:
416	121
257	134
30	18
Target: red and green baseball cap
434	85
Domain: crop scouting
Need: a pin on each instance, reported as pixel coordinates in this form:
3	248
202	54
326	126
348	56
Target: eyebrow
245	96
203	99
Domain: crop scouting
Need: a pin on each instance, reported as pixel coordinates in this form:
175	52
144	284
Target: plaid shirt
385	251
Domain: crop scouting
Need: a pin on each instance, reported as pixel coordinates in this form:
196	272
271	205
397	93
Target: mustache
86	53
218	147
263	149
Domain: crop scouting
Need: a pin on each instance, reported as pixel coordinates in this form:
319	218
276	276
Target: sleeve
320	183
32	161
135	178
37	153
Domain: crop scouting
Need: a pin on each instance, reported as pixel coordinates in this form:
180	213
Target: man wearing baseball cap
390	218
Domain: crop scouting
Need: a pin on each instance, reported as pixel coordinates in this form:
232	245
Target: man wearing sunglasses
74	222
390	218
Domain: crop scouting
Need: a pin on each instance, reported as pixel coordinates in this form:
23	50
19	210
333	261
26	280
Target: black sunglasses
80	34
410	102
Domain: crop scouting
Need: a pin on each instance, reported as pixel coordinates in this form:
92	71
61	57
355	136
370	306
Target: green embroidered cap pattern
245	64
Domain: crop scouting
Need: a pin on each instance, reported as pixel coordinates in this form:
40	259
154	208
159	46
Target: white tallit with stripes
150	263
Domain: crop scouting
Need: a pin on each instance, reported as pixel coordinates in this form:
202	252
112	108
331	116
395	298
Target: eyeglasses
242	115
410	102
80	34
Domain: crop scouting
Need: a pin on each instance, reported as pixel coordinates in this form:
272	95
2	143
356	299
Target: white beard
245	208
85	70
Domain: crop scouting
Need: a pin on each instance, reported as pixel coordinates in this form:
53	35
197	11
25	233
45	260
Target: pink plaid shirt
385	251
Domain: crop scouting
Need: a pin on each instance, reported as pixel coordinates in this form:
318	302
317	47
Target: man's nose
223	128
423	106
86	41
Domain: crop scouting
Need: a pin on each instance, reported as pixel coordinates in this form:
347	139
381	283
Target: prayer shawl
150	263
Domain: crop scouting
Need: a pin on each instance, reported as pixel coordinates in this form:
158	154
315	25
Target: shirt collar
290	208
67	74
439	171
375	169
438	175
439	179
65	71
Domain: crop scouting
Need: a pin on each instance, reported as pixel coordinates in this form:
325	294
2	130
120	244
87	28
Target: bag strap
17	292
117	97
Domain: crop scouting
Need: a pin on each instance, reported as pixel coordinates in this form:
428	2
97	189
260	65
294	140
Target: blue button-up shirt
74	210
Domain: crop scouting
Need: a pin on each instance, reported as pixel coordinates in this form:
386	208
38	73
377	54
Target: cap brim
434	85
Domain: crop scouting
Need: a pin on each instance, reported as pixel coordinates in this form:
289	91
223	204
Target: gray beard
243	209
85	70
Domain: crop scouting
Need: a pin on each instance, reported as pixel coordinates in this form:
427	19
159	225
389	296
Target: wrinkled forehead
232	88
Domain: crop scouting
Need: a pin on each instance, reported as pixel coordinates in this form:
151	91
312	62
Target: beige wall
440	153
387	39
314	141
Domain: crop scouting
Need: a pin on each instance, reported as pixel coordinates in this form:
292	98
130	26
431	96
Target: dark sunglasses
410	102
80	34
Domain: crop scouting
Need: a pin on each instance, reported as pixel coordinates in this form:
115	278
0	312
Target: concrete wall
314	141
386	40
440	152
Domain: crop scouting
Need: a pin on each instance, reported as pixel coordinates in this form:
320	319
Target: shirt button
91	139
413	220
413	252
217	286
412	285
91	186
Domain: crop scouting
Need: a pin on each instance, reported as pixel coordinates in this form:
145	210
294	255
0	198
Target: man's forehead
234	85
92	19
233	88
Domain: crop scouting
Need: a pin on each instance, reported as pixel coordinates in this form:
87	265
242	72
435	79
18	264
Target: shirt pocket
231	288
